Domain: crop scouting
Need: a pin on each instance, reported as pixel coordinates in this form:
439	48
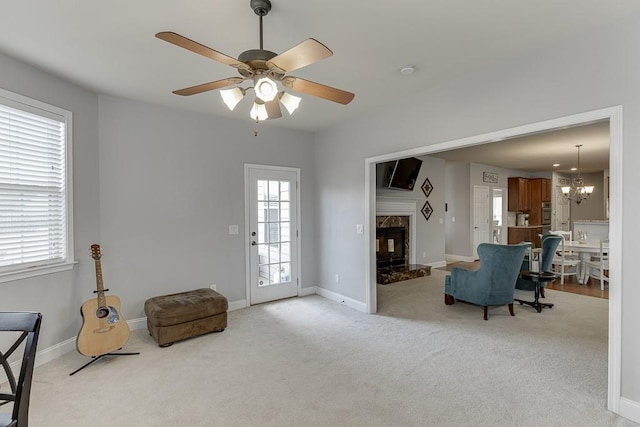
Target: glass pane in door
274	235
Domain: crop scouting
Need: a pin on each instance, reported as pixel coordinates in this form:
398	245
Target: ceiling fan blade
209	86
200	49
301	55
273	108
317	89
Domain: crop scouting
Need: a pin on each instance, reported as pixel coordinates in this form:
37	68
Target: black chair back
28	325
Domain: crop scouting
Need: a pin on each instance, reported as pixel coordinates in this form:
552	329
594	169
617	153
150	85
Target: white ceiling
109	46
538	152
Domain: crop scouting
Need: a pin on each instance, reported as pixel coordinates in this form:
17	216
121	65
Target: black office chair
29	324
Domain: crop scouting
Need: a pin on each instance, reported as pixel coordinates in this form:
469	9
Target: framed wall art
427	210
491	177
427	188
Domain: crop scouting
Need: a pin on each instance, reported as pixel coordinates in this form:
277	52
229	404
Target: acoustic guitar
103	328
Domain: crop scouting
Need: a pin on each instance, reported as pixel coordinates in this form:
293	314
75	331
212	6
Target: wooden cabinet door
519	195
517	235
546	190
525	194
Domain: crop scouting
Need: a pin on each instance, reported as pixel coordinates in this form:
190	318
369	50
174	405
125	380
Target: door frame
614	115
247	224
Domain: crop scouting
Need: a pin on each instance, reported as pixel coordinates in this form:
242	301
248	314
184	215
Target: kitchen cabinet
524	234
519	194
546	190
535	216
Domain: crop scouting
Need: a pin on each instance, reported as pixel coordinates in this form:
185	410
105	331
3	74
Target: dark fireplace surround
393	265
392	229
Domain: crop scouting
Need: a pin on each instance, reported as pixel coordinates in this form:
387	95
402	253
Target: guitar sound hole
102	312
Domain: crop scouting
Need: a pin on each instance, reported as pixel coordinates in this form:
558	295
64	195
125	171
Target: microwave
545	217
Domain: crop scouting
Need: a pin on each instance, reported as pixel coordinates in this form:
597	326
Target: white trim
339	298
41	270
457	258
630	409
311	290
137	324
614	115
402	209
247	223
437	264
237	305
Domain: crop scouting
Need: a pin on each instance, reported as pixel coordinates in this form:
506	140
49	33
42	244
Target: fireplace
390	246
392	241
393	251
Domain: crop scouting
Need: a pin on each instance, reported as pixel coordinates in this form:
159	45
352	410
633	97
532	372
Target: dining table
585	249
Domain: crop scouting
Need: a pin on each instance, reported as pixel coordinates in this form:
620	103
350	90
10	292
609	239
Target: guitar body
103	328
102	335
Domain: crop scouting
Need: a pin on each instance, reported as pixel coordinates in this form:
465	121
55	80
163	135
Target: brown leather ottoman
183	315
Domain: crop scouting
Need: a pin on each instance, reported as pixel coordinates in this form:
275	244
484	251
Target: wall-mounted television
403	173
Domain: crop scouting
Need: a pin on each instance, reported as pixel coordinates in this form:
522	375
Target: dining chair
599	263
27	325
565	263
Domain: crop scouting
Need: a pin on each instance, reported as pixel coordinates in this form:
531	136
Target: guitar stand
96	358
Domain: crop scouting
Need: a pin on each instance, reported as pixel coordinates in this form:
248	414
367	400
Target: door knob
253	243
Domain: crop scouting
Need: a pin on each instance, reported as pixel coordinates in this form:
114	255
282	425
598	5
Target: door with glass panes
273	235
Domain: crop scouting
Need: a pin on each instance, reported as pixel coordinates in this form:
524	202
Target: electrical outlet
337	278
213	287
424	254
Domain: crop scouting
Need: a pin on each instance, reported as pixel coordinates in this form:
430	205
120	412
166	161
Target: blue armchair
493	284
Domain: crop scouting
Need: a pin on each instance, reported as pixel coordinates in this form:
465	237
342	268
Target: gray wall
171	184
58	296
588	72
594	207
461	177
429	234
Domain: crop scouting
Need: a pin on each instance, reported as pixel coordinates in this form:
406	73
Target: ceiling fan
265	69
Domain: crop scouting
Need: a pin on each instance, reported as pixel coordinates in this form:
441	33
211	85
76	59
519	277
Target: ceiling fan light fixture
258	112
289	101
266	89
232	97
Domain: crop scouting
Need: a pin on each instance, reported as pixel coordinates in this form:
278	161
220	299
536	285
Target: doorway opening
614	116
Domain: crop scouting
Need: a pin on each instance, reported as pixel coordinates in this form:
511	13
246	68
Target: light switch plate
359	228
233	229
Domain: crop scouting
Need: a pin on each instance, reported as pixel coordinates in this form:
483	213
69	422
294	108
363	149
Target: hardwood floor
591	288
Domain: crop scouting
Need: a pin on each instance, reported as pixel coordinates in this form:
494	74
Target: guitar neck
102	302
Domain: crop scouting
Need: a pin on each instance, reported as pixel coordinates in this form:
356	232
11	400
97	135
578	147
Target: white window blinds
32	187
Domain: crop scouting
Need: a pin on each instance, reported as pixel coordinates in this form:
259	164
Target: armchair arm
464	284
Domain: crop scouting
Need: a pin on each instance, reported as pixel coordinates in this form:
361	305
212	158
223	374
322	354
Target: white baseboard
630	409
139	323
44	356
457	258
349	302
437	264
311	290
237	305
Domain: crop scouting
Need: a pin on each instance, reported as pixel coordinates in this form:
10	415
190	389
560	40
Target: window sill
36	271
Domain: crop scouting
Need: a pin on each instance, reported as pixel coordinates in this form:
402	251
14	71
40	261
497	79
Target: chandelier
577	191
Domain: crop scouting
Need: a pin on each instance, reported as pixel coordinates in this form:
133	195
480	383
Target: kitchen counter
525	226
596	229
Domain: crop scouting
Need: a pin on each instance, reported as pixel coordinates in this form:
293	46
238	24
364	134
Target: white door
272	212
562	207
481	212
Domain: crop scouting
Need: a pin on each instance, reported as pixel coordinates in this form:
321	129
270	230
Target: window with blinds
33	185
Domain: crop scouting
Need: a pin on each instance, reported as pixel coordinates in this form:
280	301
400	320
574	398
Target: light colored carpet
312	362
